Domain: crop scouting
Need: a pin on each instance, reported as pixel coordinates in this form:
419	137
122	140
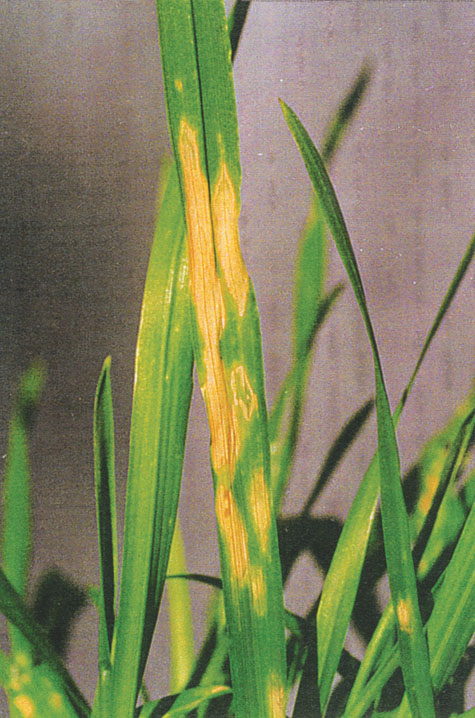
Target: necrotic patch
233	533
209	304
405	615
260	508
225	224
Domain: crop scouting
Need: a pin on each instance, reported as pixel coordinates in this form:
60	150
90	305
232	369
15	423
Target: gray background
82	135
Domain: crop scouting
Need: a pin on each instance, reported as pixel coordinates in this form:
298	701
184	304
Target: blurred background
82	136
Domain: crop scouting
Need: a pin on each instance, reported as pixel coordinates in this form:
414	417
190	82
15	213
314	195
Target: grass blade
104	475
452	622
162	393
14	609
344	114
414	657
161	401
341	584
187	701
16	528
226	338
383	636
182	655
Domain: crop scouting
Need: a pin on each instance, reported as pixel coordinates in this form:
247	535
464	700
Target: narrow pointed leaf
162	393
341	584
345	113
104	473
414	657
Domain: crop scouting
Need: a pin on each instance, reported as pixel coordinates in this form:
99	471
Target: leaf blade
414	655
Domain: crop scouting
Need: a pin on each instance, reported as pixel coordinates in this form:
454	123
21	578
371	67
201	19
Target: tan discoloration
209	304
258	590
233	533
405	615
25	706
275	697
260	508
56	701
243	394
226	234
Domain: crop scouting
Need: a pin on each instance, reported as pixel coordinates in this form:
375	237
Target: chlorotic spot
22	660
233	533
179	85
260	508
56	701
225	209
243	395
15	684
25	706
275	697
405	615
427	497
258	590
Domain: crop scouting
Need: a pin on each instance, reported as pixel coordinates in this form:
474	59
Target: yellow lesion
25	706
243	394
431	484
179	85
258	590
260	508
405	615
56	701
275	697
226	233
233	533
209	304
22	660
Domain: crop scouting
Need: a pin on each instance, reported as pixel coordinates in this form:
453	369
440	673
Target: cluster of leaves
423	533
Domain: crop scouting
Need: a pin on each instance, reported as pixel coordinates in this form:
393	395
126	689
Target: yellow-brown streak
209	304
226	233
258	590
405	615
243	394
275	697
25	705
233	533
260	508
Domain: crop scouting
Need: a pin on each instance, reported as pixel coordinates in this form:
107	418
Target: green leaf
341	584
182	655
16	527
402	580
162	392
183	703
382	638
14	609
227	348
161	402
452	622
104	474
345	113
